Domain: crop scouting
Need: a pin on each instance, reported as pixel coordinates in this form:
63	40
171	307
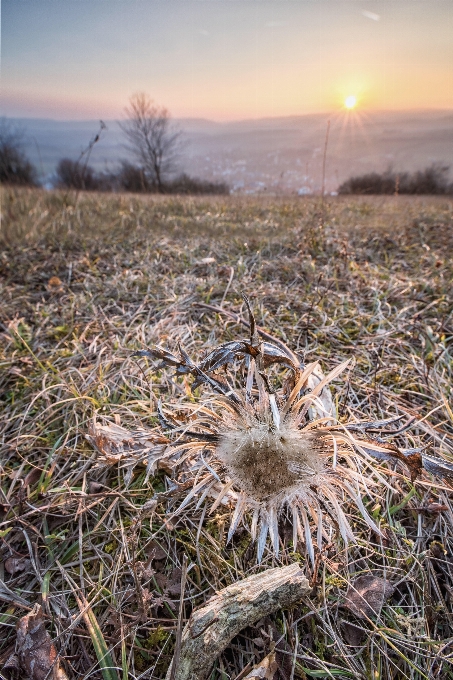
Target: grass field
86	282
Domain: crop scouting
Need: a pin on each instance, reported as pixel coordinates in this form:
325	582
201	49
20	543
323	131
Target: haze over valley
269	154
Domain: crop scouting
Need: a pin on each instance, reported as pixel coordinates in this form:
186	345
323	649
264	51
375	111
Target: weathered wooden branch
211	628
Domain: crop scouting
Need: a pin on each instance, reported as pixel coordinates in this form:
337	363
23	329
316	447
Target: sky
224	59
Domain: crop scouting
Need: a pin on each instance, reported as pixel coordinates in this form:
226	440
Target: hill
270	154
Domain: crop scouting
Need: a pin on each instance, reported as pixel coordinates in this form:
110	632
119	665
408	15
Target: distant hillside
270	154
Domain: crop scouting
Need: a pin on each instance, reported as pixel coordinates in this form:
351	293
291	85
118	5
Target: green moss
140	662
335	581
156	638
110	547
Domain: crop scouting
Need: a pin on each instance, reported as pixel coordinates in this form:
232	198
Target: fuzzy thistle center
266	462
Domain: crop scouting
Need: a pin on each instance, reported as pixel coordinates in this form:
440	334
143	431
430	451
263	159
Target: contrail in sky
371	15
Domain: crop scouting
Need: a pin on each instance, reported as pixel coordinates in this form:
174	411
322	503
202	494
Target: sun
350	101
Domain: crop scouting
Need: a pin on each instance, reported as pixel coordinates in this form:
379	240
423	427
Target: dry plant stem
212	627
324	172
238	319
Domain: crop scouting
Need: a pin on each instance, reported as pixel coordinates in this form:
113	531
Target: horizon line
367	111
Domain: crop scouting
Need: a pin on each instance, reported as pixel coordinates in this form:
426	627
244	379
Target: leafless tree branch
152	139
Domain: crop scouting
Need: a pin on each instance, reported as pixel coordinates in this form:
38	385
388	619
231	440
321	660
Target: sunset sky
224	59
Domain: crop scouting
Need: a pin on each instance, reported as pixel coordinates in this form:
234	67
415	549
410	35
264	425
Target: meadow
86	280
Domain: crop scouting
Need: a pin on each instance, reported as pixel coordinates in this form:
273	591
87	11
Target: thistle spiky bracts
271	452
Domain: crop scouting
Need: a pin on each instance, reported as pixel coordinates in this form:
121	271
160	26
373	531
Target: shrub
431	180
72	175
132	178
15	168
192	185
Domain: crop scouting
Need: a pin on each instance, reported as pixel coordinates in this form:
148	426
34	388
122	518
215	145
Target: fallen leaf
174	582
15	564
437	550
161	580
367	594
12	664
438	466
353	635
258	641
36	651
32	476
148	508
155	552
265	669
116	444
388	451
95	487
55	285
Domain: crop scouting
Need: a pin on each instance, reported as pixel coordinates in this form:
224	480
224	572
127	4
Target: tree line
130	178
432	180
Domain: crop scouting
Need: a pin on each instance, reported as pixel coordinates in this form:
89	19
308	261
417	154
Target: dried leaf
386	451
275	355
223	355
158	353
55	284
117	444
37	654
12	664
161	580
367	594
258	641
203	377
16	564
32	476
438	466
155	552
325	397
377	425
95	487
353	635
148	508
265	669
174	582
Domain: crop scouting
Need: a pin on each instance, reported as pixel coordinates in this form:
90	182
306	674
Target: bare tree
151	137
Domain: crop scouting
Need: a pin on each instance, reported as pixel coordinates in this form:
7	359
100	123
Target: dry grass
84	285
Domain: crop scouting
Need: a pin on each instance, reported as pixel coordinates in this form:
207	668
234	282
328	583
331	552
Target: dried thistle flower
271	451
